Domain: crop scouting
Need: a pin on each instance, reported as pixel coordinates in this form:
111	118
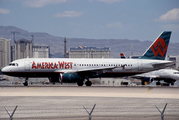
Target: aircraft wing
87	70
142	77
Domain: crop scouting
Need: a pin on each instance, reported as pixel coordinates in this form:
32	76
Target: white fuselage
163	73
47	67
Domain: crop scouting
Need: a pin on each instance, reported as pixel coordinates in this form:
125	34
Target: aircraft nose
4	70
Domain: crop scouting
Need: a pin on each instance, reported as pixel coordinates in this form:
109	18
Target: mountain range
56	43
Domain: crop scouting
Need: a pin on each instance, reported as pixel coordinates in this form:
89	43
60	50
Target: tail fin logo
159	47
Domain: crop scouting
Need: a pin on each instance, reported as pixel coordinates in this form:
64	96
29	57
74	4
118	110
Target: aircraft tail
122	56
158	48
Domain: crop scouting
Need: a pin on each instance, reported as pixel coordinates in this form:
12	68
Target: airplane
167	75
77	70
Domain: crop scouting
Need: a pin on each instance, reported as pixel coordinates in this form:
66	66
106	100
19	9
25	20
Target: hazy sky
98	19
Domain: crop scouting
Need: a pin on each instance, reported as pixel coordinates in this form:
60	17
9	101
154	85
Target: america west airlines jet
166	75
77	70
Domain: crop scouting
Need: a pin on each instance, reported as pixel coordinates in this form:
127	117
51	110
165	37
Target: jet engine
147	80
70	77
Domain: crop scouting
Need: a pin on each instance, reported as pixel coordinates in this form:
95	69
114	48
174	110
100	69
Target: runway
93	91
66	102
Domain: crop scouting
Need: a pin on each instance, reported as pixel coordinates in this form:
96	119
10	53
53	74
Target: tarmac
68	102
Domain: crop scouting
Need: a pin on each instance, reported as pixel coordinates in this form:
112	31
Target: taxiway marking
148	90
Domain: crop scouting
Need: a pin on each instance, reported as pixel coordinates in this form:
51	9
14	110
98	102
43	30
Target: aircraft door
140	65
26	65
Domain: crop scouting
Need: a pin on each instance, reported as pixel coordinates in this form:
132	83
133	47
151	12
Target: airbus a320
66	70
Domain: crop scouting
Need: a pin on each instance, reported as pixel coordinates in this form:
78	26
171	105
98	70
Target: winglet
158	48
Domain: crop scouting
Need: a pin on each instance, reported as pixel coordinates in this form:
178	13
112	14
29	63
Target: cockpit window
13	64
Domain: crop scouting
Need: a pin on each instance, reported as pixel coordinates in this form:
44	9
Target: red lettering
70	64
33	65
61	64
51	65
42	67
38	65
46	65
66	65
55	66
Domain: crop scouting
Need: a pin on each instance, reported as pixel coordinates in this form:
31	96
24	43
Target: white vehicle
167	75
77	70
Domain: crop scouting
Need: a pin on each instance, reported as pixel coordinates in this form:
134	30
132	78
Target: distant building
5	52
176	60
41	51
23	49
89	52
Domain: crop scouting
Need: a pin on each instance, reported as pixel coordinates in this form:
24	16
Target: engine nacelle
70	77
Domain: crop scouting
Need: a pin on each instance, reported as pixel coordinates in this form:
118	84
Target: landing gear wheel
25	84
88	83
142	83
172	83
80	83
157	83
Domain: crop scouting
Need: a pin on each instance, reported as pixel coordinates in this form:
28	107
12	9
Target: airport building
23	49
5	52
176	60
89	52
41	51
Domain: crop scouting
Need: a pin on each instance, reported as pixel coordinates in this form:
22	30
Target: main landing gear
26	82
87	83
158	83
80	83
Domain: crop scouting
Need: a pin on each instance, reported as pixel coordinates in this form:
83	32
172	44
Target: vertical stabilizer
158	48
122	56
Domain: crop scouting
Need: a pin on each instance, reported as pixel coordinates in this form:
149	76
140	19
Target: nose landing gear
26	82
